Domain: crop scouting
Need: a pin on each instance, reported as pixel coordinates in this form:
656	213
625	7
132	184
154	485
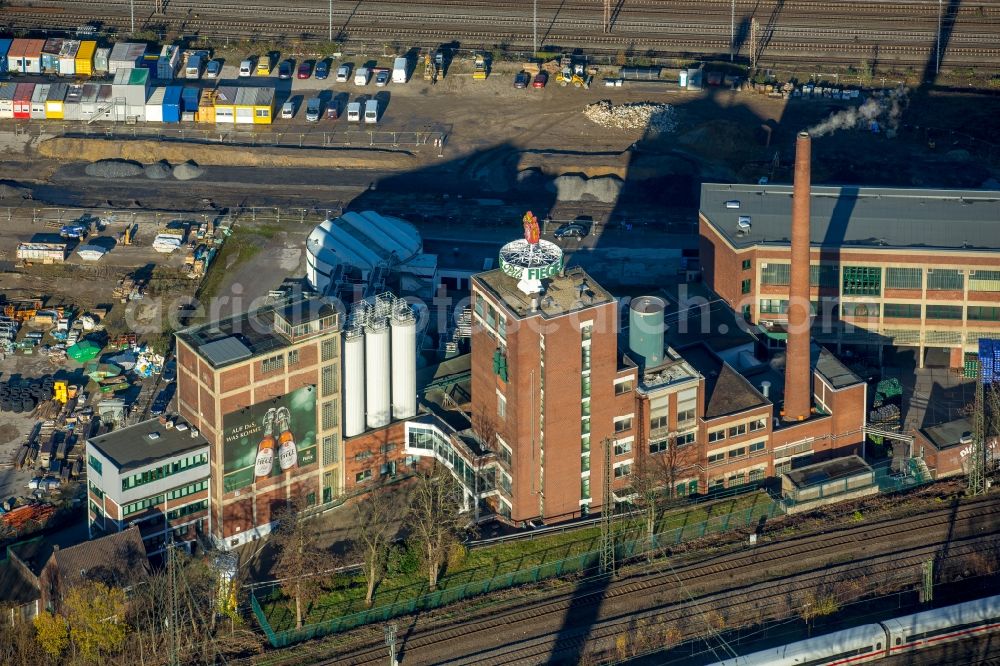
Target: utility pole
607	15
390	641
534	29
754	28
927	589
732	30
607	565
329	35
937	58
131	6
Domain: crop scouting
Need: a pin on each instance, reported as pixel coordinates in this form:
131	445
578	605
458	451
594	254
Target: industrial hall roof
851	216
365	240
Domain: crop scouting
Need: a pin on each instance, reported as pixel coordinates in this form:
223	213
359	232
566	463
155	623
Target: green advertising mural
269	439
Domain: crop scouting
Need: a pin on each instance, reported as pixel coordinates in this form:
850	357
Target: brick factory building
901	267
264	389
559	380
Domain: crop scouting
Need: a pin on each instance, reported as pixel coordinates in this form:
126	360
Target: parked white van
371	111
354	112
288	110
362	76
246	68
399	68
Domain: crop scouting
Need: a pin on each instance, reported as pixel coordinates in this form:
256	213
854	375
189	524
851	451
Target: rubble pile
638	115
113	169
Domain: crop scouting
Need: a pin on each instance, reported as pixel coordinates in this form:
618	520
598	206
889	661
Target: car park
322	69
522	79
570	230
213	69
540	80
343	73
305	70
381	78
285	69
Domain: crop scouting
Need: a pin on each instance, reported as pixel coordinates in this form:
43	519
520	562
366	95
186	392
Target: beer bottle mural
265	450
287	454
269	438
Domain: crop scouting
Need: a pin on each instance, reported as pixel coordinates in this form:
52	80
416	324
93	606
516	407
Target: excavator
480	72
572	72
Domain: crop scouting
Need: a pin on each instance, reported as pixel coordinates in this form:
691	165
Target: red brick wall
236	378
365	452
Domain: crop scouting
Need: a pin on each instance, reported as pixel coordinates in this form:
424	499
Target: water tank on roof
645	329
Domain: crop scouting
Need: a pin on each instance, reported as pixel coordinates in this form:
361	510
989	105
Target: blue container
189	99
4	47
172	104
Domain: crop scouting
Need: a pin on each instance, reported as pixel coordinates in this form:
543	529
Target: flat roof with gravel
571	292
891	219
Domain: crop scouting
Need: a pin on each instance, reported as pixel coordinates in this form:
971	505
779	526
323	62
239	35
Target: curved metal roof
364	240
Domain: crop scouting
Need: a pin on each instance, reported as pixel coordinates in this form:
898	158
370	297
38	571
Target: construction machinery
480	72
431	69
23	310
573	72
60	392
129	234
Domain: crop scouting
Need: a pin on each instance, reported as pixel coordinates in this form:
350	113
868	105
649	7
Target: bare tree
648	479
374	536
435	517
299	560
485	427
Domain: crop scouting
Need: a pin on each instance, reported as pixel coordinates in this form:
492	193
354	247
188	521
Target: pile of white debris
637	115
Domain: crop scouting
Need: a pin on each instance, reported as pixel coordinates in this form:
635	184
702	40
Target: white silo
404	365
377	385
354	384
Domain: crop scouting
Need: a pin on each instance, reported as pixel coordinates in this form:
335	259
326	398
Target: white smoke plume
884	107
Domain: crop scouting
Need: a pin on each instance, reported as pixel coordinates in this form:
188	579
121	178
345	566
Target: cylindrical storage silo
645	329
377	385
354	385
404	368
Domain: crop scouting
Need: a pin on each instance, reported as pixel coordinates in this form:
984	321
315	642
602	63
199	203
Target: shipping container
189	99
50	55
55	101
85	58
171	105
206	106
25	56
131	88
45	253
168	62
38	101
73	107
22	100
67	57
154	105
4	49
7	90
126	55
102	58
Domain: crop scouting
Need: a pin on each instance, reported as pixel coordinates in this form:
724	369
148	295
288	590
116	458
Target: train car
850	646
952	623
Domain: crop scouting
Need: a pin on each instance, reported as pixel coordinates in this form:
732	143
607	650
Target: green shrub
403	560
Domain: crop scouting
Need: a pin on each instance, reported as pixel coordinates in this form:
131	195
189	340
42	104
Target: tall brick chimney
798	378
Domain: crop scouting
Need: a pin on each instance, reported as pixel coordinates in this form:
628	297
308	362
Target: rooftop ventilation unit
733	203
153	435
743	223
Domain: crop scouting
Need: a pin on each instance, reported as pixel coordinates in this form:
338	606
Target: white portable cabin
38	99
73	106
125	55
154	105
67	57
7	99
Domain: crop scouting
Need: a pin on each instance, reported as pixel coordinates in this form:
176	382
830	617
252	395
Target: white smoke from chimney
886	107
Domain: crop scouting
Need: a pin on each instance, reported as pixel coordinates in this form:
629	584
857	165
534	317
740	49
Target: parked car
522	80
213	69
285	69
322	69
570	230
264	66
332	112
305	70
343	73
540	80
246	68
169	373
288	110
313	108
381	78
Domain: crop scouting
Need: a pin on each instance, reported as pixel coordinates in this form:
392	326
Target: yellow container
54	110
85	58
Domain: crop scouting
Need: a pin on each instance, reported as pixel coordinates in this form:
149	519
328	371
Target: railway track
902	33
907	539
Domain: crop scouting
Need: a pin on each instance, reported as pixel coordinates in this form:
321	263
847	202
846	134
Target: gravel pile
113	169
158	170
606	189
187	171
638	115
